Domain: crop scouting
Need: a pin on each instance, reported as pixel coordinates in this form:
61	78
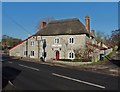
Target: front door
57	54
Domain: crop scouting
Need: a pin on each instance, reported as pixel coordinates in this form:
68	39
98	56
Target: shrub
76	60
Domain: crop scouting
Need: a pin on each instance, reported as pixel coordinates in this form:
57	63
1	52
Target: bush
76	60
65	59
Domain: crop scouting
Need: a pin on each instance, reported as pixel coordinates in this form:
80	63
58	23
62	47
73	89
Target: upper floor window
32	43
56	40
71	40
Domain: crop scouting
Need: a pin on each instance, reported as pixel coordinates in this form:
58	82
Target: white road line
10	62
29	67
10	83
92	84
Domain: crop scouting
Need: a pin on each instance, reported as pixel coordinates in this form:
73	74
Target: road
23	75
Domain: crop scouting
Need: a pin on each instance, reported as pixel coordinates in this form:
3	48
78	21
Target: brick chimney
87	21
43	24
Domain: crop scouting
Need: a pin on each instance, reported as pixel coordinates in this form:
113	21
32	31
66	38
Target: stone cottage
56	40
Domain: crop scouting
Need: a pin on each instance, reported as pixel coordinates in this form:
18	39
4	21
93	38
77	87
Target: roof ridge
63	20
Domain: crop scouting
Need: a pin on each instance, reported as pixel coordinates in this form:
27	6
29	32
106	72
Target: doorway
57	54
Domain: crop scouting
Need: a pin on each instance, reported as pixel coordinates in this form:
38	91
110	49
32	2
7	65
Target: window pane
33	53
72	40
72	55
57	40
26	52
32	43
69	55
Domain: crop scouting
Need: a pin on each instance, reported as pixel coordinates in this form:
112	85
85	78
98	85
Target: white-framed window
71	55
25	52
71	40
32	43
32	53
56	40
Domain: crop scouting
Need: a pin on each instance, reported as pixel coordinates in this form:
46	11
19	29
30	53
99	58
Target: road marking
29	67
10	62
4	59
10	83
92	84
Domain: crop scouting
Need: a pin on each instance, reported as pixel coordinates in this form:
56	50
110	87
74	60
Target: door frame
57	54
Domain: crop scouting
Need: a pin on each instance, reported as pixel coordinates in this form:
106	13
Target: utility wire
18	24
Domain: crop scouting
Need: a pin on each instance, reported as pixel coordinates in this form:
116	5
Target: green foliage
109	56
100	62
8	41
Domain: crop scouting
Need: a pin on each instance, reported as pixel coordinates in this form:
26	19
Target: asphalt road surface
22	75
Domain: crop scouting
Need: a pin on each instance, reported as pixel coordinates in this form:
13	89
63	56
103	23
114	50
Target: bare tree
99	36
115	38
45	19
84	53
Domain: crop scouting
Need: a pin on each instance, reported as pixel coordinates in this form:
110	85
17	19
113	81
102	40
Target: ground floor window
32	53
71	55
25	52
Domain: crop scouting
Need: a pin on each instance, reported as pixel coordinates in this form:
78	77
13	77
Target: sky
21	18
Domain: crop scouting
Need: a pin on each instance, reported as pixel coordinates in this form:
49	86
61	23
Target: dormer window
56	40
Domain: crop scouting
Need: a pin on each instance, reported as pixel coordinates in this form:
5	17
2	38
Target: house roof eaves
20	43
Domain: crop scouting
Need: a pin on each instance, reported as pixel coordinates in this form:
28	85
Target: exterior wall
33	47
64	47
19	50
103	45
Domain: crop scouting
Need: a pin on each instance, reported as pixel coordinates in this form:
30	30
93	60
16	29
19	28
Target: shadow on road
114	61
9	74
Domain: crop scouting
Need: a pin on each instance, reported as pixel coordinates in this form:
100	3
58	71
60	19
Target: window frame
32	43
71	40
71	55
56	40
32	53
25	53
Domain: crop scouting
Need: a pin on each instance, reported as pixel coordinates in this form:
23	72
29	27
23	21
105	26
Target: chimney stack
87	20
43	24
